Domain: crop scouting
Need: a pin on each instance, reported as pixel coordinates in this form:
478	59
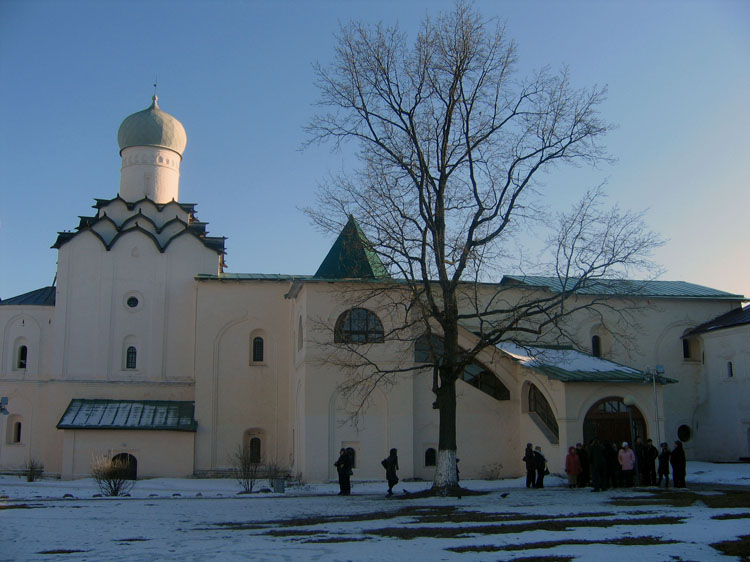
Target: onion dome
152	127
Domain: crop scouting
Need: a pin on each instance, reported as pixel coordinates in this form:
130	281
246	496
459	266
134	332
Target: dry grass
625	541
739	547
546	525
722	499
731	516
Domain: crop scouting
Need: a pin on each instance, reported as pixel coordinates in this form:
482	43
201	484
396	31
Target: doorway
609	420
129	463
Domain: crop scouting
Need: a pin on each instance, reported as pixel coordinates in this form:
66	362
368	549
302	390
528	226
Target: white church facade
146	348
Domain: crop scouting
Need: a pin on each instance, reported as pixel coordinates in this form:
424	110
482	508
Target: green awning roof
129	414
622	287
569	365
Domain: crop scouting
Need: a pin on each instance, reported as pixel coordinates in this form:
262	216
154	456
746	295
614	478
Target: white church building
147	349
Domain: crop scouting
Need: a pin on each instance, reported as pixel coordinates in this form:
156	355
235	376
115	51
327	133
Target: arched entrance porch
609	420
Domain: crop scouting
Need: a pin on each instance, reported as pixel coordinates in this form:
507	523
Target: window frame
358	325
258	349
131	358
539	405
22	357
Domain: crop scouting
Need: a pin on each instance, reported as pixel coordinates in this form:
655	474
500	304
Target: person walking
540	463
626	458
344	468
572	467
528	458
678	462
390	464
664	465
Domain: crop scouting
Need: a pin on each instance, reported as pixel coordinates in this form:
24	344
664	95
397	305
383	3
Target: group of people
605	465
345	468
536	466
601	464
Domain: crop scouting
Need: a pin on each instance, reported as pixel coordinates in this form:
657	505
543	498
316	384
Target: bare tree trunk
445	471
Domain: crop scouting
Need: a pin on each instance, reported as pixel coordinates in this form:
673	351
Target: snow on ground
197	519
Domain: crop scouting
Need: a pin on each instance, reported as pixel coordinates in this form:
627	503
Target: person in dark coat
585	476
678	462
613	466
540	463
664	465
528	458
597	456
344	468
640	454
650	455
391	466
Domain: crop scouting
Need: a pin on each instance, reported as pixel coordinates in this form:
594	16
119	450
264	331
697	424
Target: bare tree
451	145
245	468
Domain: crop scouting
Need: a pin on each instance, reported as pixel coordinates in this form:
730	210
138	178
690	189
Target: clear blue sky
238	75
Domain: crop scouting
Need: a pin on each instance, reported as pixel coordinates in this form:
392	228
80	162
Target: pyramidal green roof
352	257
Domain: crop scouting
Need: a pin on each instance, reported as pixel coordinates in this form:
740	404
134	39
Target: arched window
16	432
23	353
131	357
430	457
254	446
476	374
257	349
538	405
684	433
596	346
358	325
689	349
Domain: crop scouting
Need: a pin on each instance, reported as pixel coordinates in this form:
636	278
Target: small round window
684	433
132	302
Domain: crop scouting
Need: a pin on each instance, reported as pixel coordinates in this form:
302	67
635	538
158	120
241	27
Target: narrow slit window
255	450
257	350
17	432
23	353
596	346
686	349
131	356
430	457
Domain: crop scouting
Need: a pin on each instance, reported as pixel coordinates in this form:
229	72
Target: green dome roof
152	127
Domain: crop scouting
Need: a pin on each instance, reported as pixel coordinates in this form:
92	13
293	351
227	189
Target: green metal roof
41	297
152	127
736	317
351	257
569	365
622	287
129	414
